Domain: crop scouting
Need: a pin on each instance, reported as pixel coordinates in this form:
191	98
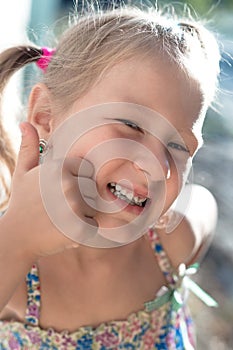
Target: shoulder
15	309
196	209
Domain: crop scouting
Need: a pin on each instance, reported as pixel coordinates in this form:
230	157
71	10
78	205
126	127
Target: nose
154	161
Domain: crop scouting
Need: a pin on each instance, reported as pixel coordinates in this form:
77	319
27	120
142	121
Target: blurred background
213	165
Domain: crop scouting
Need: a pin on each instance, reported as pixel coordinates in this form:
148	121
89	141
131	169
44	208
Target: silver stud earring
43	146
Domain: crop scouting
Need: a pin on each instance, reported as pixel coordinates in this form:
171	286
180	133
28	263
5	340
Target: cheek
87	142
179	171
96	137
110	171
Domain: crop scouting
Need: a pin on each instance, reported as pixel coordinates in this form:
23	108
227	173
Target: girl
150	80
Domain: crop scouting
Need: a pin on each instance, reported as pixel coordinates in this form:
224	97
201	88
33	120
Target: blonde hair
98	40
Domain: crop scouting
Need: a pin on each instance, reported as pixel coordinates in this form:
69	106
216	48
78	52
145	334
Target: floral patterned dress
164	323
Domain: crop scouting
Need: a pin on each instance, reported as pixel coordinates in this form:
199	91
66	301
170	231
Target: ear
40	110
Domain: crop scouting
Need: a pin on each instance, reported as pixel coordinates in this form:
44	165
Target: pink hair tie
44	60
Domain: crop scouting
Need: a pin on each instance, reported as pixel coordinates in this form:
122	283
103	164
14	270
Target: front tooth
112	184
118	187
121	196
123	192
129	195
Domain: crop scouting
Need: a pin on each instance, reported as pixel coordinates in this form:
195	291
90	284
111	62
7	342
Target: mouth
127	195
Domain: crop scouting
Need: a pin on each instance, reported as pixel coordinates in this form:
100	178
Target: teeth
118	188
127	196
141	200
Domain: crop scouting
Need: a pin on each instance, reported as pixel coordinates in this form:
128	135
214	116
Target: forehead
157	84
160	86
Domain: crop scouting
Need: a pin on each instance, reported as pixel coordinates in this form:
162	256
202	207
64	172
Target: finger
91	203
91	221
87	187
78	167
28	156
81	206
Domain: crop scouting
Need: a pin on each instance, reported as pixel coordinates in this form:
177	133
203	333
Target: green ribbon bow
174	295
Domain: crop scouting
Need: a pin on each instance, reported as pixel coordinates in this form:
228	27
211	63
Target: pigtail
11	60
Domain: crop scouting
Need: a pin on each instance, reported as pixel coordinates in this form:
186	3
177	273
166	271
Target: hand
26	221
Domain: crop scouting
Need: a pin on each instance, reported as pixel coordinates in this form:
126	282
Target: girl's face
172	135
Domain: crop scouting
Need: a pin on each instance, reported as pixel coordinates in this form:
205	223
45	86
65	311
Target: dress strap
178	281
33	297
162	258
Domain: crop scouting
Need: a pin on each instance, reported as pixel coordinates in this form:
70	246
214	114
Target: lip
134	209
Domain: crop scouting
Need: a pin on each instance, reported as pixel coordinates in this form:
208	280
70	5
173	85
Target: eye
131	124
178	147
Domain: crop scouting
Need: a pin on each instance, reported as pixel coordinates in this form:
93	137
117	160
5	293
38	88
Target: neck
108	257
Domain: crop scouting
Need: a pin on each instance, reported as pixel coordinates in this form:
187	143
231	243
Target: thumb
28	156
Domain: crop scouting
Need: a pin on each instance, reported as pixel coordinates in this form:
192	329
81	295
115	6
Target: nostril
155	169
136	166
139	167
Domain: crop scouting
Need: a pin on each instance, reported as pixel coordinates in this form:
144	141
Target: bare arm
26	231
189	241
14	262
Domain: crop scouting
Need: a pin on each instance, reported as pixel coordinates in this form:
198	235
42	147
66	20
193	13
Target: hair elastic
44	60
